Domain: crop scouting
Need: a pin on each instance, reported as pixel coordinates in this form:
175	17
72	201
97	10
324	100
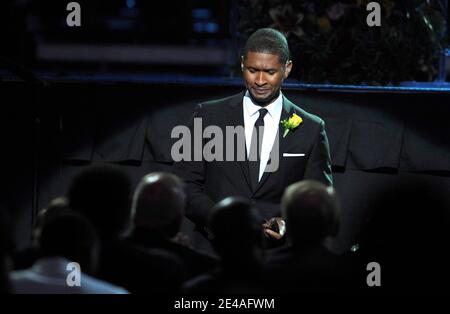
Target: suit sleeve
193	174
319	163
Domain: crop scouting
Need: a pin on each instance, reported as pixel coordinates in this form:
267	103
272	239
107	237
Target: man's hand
274	228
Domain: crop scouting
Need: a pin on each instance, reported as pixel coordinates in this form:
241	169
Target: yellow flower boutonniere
291	123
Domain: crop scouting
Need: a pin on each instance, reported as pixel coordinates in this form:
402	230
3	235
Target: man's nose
260	79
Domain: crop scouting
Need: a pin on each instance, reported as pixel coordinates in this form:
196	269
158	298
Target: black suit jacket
210	182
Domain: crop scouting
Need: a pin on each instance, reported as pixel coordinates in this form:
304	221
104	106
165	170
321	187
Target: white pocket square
292	155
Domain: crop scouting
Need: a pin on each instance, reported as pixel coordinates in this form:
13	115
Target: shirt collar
273	108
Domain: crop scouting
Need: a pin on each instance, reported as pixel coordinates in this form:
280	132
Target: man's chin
260	99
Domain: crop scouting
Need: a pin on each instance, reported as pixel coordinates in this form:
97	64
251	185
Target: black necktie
255	148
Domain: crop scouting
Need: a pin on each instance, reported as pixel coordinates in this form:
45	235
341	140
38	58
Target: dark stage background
375	137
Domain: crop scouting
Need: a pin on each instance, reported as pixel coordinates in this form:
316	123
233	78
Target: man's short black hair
267	40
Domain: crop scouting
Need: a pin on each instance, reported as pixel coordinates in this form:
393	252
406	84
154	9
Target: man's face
263	75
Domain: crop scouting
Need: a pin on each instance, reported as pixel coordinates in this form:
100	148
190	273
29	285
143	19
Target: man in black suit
276	134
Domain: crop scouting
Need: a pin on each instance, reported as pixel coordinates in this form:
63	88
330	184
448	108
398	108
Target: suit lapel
286	112
236	117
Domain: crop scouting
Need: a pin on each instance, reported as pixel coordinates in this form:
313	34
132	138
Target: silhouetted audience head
237	233
102	194
72	236
311	212
56	206
158	204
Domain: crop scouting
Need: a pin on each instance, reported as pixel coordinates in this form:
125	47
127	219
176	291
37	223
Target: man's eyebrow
262	69
270	70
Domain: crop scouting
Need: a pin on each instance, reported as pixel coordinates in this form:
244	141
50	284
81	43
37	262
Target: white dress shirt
271	122
48	276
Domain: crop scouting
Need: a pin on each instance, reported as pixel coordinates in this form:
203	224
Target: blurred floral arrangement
330	41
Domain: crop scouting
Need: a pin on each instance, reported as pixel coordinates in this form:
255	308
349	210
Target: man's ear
287	68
